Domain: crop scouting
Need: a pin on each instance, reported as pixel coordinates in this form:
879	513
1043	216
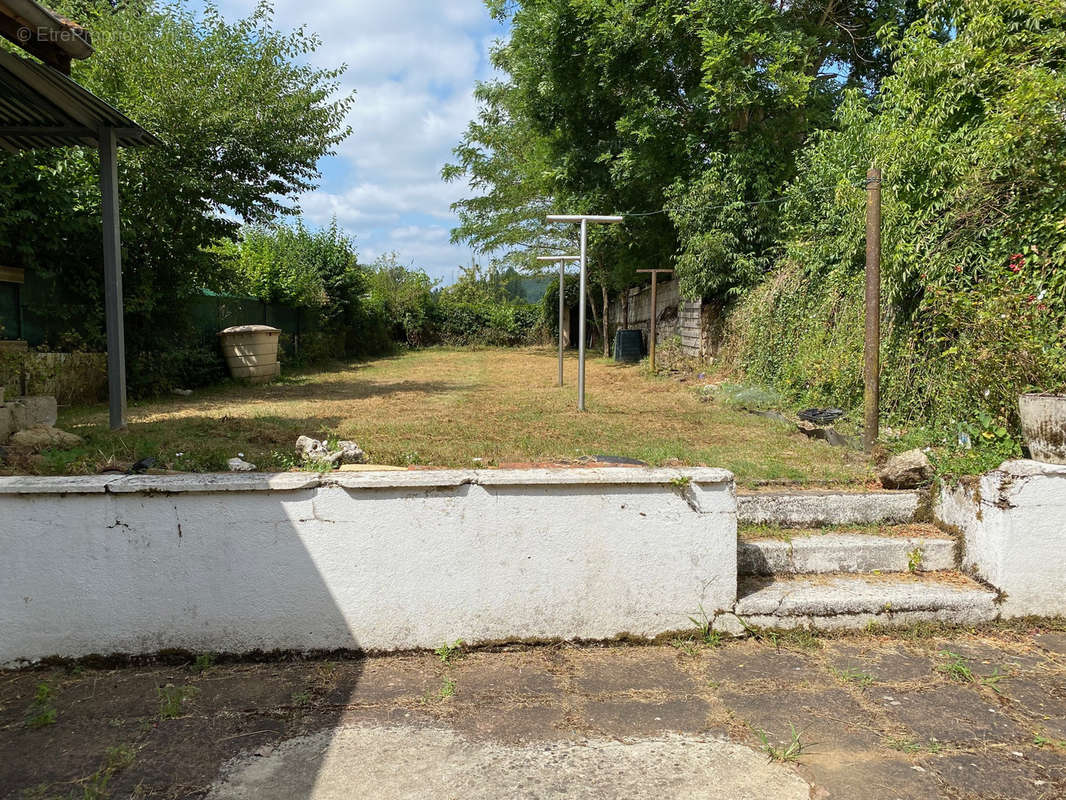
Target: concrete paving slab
757	662
882	665
637	718
514	725
827	721
503	674
952	714
870	774
986	659
1042	700
356	761
631	669
1010	775
1053	642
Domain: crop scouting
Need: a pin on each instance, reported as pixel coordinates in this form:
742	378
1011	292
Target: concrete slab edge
416	479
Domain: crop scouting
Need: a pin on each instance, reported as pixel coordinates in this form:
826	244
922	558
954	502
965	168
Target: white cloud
413	64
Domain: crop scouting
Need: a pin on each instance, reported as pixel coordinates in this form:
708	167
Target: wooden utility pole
654	312
872	350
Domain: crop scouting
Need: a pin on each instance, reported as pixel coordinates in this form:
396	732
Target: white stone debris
239	465
344	452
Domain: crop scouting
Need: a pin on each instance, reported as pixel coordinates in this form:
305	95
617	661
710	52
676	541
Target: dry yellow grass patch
446	408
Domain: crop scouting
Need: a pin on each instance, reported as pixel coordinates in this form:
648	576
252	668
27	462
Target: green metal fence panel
212	312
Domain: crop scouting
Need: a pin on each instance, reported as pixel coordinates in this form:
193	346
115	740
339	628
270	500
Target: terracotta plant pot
1044	426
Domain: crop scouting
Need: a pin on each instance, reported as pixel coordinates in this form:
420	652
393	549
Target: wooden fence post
872	349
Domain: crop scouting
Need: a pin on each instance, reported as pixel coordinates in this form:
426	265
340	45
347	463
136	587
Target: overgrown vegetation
968	130
739	150
42	710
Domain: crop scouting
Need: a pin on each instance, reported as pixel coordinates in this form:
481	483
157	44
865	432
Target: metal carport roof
41	107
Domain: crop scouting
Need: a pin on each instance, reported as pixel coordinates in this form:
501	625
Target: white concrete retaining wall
1014	523
377	560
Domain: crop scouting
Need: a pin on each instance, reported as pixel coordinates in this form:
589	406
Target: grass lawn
445	408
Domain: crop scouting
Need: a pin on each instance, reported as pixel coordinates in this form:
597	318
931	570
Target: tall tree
244	121
678	112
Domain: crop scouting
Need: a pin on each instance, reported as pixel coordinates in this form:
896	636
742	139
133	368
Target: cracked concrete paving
361	761
888	716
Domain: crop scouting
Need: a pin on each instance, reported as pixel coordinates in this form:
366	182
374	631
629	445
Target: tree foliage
243	121
679	113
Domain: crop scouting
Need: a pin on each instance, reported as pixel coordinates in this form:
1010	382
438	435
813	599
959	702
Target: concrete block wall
667	300
1013	521
372	561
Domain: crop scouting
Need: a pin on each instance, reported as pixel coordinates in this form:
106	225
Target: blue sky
413	65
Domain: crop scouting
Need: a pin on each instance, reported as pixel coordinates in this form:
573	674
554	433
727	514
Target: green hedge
464	324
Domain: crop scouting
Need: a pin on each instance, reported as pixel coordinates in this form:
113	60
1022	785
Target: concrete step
836	602
911	548
816	508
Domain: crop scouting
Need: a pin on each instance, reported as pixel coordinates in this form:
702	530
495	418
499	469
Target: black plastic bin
628	346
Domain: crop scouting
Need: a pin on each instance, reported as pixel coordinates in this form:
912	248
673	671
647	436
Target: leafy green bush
467	323
403	297
152	373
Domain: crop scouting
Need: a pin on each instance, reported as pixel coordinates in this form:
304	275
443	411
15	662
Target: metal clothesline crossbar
584	220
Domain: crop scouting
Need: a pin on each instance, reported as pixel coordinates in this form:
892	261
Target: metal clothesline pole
584	219
562	275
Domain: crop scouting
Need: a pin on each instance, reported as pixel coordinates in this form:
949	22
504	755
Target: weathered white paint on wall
377	561
1014	523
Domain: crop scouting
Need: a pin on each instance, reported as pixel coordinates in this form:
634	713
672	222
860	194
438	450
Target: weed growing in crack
787	753
203	662
689	647
116	759
852	675
905	745
447	689
446	652
705	628
914	560
991	680
42	710
1046	741
172	698
956	668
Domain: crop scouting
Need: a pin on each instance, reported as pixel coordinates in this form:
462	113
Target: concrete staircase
831	560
